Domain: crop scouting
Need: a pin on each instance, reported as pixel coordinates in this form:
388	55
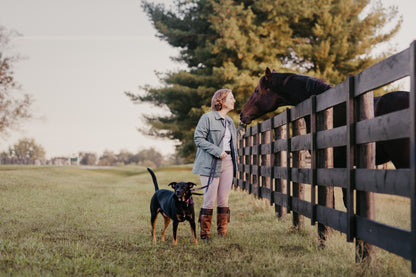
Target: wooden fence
270	166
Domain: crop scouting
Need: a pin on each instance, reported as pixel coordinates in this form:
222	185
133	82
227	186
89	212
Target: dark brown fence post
267	162
256	160
251	162
350	151
241	174
247	160
298	161
412	119
365	205
280	161
325	159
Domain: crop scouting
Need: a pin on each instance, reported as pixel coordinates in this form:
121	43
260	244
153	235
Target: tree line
147	157
27	151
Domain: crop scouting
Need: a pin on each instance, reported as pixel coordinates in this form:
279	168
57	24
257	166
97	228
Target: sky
80	56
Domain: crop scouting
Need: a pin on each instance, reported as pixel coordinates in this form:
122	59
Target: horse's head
267	97
279	89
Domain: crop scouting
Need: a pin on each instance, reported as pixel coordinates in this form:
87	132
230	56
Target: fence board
332	176
254	149
265	149
246	185
266	171
396	182
382	73
246	150
280	172
392	239
239	183
265	193
332	97
301	110
386	127
254	169
332	137
302	207
280	145
301	175
332	218
279	120
280	198
265	125
302	142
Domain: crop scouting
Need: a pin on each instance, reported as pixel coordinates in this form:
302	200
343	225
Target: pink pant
220	187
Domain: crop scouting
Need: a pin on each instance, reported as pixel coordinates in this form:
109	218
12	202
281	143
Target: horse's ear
274	71
268	73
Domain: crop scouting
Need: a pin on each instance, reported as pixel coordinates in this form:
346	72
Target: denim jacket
207	137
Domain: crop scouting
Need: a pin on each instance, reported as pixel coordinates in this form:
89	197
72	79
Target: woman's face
229	102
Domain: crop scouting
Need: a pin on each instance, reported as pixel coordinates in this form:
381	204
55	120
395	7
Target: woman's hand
223	155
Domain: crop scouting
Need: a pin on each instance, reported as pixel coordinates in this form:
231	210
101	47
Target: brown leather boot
205	218
223	217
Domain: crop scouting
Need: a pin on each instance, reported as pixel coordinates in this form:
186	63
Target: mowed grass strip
60	221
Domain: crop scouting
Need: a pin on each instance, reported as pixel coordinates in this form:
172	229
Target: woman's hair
219	98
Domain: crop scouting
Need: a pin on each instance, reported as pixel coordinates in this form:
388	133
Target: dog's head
182	189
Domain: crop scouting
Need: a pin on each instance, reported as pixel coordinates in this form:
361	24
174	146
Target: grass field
60	221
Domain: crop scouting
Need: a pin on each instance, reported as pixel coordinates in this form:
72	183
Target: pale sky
81	55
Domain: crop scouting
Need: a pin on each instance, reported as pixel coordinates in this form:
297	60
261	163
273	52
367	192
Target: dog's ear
173	184
191	185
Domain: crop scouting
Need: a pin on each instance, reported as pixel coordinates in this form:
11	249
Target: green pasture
60	221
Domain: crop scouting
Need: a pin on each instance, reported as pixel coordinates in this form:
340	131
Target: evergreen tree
227	43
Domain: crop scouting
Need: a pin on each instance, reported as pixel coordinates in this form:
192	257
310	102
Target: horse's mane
312	85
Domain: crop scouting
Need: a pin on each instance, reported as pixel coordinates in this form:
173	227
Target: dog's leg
153	222
175	229
167	220
192	222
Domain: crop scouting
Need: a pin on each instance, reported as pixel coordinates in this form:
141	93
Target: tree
12	108
108	159
87	158
333	40
150	157
27	148
226	43
124	157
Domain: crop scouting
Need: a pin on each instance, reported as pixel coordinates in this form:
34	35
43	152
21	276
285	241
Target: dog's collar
189	201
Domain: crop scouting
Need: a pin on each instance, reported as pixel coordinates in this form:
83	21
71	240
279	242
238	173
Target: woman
215	162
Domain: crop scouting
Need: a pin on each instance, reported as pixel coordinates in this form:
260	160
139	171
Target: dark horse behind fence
281	89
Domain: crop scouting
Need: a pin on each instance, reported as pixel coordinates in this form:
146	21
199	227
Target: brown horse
281	89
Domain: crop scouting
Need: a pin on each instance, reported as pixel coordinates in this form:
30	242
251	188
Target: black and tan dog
177	205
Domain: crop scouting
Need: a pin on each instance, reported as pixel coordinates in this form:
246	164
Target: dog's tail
154	179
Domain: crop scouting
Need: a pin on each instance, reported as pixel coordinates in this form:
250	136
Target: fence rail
269	166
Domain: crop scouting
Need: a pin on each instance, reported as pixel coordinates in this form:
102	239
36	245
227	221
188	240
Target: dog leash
213	166
210	178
